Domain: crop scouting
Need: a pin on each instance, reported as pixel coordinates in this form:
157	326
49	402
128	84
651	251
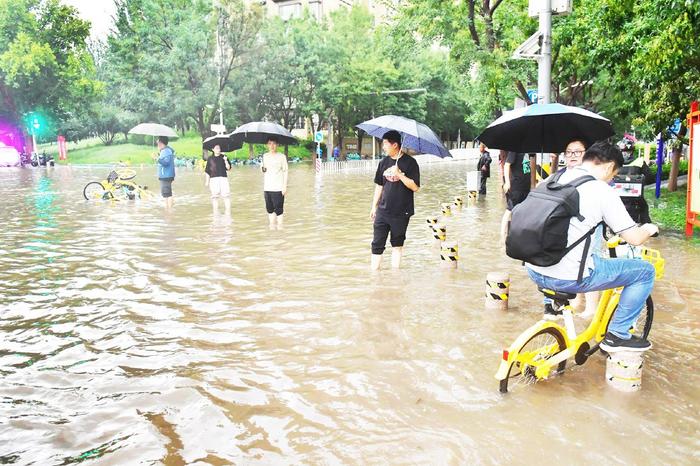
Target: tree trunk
360	136
673	177
487	14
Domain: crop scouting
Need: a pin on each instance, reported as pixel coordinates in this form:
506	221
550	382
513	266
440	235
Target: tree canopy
174	61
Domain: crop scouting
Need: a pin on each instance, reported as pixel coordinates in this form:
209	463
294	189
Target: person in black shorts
516	187
396	179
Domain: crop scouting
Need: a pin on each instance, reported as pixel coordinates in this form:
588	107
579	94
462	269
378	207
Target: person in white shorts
217	180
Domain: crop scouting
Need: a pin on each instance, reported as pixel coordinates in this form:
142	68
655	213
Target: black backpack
539	228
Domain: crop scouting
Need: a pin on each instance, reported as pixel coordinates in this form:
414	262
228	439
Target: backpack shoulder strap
581	180
587	238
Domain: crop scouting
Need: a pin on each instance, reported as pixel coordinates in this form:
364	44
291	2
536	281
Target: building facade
287	9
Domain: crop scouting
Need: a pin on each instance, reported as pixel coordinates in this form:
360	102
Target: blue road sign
532	95
676	126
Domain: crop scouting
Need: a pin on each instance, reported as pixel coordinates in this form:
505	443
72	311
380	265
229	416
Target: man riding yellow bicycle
556	245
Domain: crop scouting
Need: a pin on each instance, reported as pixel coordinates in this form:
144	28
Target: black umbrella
258	132
545	128
224	141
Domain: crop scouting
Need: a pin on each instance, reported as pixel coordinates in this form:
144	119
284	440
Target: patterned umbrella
414	135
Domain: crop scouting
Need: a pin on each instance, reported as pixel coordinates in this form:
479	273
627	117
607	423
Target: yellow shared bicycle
543	349
117	186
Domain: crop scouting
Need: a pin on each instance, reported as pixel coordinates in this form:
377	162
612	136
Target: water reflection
131	335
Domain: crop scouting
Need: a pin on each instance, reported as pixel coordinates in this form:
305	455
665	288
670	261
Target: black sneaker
550	313
612	343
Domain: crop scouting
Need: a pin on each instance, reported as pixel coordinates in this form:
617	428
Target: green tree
480	37
173	60
44	62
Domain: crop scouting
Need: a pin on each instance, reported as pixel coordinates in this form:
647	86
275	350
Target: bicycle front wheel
94	191
542	346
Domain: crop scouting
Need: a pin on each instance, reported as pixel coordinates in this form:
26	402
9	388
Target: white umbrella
153	129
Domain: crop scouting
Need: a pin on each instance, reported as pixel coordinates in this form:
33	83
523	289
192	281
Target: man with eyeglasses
598	203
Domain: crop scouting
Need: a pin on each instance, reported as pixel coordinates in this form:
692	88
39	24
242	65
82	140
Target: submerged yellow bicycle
543	349
117	186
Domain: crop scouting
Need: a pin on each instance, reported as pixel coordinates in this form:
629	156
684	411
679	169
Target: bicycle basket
654	257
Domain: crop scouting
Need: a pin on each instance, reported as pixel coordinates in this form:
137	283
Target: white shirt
597	202
276	169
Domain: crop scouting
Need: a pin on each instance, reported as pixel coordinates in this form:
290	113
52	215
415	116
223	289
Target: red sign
62	148
692	211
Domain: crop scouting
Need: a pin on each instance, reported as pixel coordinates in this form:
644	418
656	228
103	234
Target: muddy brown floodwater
130	335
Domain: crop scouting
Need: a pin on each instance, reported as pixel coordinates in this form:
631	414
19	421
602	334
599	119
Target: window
290	10
315	9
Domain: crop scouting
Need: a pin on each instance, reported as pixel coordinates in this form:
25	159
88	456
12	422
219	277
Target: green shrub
666	169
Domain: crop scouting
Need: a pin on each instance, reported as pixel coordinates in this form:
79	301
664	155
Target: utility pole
544	62
219	53
539	47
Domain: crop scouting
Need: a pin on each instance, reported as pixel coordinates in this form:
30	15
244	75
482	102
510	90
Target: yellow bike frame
596	329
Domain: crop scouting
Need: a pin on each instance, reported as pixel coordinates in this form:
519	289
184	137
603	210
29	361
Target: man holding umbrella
217	180
396	179
166	169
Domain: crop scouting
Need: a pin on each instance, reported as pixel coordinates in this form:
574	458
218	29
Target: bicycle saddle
556	295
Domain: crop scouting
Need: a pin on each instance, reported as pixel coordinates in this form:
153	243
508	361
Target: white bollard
449	253
623	370
497	290
473	180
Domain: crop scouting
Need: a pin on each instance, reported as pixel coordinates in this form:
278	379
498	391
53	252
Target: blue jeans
636	275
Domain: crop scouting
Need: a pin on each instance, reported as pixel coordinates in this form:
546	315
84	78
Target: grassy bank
669	210
93	151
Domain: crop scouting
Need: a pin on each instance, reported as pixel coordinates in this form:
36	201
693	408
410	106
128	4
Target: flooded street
132	335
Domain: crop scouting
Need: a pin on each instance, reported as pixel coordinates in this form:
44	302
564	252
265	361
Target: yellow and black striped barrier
446	209
472	196
497	290
431	221
458	202
439	233
449	253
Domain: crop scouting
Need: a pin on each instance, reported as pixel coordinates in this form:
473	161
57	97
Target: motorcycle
42	159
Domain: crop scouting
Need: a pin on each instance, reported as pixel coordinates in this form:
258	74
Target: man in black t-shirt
397	178
516	172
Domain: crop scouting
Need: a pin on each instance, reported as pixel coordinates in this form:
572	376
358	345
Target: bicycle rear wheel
542	346
94	191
